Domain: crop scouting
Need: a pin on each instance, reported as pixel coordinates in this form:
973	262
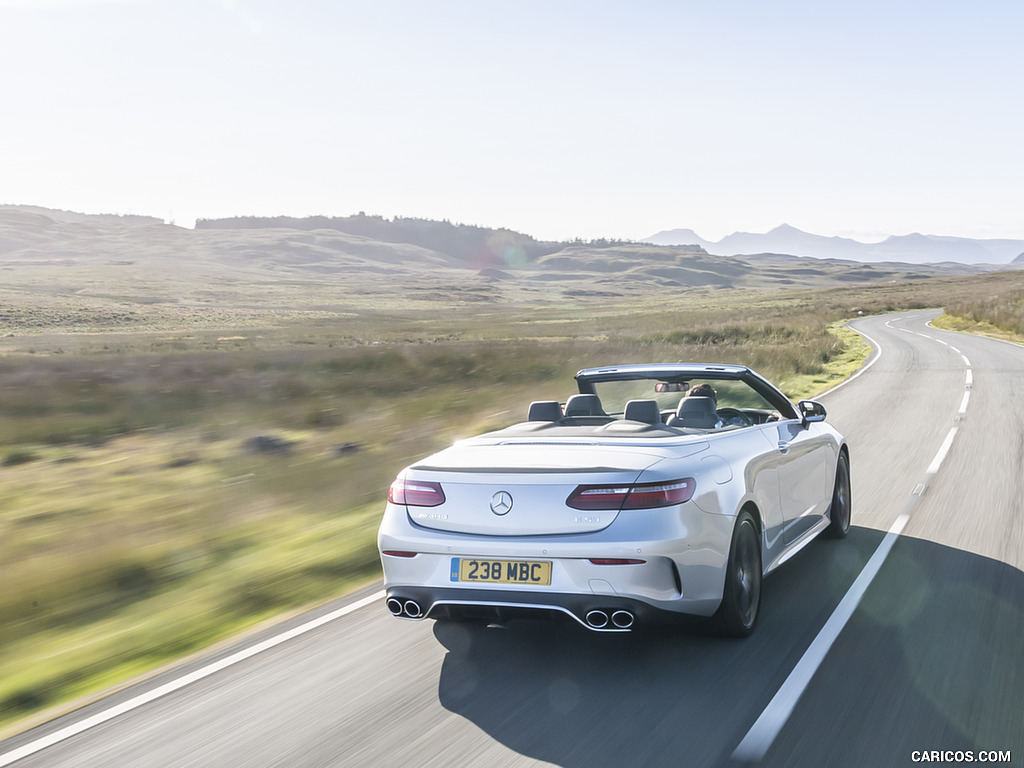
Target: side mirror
811	411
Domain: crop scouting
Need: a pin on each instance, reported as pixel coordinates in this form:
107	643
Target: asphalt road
931	659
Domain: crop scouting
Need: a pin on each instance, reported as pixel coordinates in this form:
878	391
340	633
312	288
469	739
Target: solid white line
933	468
134	703
766	728
877	354
761	735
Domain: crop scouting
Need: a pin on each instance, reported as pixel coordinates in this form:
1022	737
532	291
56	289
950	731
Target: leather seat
699	412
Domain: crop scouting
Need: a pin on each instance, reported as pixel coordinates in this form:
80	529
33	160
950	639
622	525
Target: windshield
730	394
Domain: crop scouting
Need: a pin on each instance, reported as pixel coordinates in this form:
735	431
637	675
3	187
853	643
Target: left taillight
416	493
635	496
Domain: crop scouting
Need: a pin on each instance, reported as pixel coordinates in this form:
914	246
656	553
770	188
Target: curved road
930	658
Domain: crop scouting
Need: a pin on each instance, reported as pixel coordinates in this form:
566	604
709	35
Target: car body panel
506	506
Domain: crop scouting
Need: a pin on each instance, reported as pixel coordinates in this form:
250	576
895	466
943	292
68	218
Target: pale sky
590	118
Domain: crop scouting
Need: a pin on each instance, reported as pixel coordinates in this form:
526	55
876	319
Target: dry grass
137	521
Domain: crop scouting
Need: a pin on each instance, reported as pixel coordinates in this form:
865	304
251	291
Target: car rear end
605	534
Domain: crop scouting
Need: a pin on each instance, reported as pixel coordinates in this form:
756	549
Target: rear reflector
616	561
416	493
638	496
398	553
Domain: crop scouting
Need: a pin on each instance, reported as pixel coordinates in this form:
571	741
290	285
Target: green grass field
168	484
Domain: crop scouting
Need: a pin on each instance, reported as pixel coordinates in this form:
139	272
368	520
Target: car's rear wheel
741	600
839	512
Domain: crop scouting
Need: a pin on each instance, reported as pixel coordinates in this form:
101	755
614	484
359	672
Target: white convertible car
645	497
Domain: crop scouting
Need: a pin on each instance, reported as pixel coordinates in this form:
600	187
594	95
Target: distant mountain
679	237
908	249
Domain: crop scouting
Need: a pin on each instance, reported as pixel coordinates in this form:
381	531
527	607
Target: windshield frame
680	373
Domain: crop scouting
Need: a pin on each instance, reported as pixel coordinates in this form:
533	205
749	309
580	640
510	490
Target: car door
805	453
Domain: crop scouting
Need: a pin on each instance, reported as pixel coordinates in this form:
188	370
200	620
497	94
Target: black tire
839	511
741	599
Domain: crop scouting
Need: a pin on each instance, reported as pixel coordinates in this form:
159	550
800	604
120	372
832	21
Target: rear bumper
682	553
599	613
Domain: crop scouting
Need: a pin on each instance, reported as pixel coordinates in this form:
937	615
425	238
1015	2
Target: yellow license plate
481	571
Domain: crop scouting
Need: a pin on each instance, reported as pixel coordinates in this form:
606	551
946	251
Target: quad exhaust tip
598	619
595	619
623	619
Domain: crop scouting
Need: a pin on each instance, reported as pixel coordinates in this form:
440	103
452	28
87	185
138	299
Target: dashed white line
933	468
970	379
963	403
134	703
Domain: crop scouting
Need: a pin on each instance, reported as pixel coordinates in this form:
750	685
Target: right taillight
416	493
635	496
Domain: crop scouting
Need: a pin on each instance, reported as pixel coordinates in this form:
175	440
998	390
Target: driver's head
703	390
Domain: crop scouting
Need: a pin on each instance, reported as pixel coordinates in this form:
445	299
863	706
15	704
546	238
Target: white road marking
966	361
761	735
970	379
933	468
766	728
877	356
134	703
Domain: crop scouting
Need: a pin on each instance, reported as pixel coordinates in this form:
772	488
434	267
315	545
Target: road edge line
764	730
135	702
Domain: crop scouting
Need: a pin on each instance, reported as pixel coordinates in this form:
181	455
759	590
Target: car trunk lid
520	488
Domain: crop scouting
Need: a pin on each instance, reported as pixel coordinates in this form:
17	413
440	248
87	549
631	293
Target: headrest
697	412
545	410
647	411
584	405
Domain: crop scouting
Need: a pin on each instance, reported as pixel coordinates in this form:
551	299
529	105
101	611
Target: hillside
102	267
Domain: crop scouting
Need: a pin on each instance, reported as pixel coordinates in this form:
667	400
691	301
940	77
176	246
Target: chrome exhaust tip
412	609
597	619
395	606
623	619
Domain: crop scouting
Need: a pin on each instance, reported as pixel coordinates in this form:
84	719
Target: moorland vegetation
174	471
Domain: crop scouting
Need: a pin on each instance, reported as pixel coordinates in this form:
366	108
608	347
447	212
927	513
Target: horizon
618	123
869	239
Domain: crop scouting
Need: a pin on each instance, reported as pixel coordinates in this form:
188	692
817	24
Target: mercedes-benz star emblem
501	503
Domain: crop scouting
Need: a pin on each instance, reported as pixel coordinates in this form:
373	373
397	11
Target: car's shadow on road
934	659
